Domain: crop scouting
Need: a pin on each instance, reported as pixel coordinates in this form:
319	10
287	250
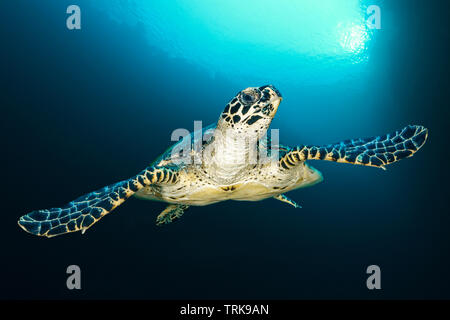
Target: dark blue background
84	109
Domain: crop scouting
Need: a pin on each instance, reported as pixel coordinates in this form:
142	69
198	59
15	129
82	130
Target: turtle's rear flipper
83	212
376	151
172	212
283	198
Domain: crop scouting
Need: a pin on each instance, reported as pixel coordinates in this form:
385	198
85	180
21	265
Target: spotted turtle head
252	109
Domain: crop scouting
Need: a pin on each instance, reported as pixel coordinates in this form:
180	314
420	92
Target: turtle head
251	110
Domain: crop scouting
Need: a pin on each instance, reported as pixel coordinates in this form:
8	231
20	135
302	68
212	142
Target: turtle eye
249	96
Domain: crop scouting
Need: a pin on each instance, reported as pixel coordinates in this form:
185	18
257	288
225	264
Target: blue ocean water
85	108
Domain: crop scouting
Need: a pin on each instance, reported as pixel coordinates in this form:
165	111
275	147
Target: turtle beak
275	103
275	100
273	89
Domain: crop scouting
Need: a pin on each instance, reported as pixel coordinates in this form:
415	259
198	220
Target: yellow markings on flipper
374	151
81	213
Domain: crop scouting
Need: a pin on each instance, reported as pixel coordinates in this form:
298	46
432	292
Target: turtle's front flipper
83	212
284	198
376	151
172	212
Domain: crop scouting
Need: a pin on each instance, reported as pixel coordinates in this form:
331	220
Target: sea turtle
224	162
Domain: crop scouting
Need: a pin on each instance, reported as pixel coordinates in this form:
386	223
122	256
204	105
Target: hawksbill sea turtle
223	170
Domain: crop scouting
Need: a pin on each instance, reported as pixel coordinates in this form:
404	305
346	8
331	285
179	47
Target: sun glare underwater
281	41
